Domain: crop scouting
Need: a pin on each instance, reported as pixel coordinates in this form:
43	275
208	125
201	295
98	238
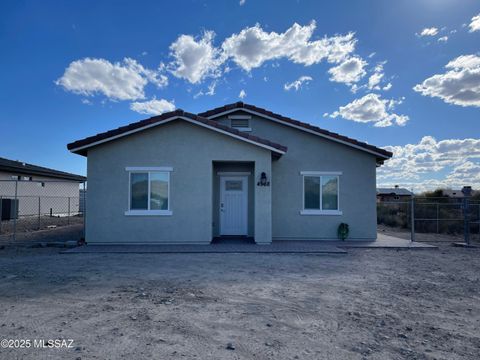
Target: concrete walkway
386	242
277	247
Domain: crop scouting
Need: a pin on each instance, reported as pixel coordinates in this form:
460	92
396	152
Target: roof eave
191	118
239	106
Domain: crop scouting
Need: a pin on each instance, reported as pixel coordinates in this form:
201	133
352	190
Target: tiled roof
80	146
394	191
18	167
241	105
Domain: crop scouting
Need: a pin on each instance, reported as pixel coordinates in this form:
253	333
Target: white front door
233	205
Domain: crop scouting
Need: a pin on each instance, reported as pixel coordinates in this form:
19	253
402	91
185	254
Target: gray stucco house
237	170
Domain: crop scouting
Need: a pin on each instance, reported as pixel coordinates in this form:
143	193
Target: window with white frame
320	193
149	191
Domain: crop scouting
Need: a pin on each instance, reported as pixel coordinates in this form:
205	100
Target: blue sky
363	69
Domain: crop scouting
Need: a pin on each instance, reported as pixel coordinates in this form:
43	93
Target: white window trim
320	211
320	173
234	173
148	170
148	212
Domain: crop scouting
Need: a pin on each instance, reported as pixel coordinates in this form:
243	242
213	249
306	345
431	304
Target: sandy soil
368	304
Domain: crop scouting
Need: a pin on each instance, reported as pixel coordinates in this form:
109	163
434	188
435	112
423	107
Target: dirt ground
368	304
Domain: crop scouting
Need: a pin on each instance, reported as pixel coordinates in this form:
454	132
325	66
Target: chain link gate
420	218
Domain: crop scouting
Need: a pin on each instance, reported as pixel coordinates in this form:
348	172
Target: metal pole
84	210
437	217
68	218
412	216
466	223
39	211
16	212
1	212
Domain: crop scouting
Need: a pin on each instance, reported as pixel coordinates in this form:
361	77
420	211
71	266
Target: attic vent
240	122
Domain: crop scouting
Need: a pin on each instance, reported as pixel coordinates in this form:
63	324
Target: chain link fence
31	209
433	218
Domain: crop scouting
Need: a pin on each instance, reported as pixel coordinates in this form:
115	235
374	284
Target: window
233	185
320	193
149	191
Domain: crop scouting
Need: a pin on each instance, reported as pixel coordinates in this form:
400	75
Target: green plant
342	231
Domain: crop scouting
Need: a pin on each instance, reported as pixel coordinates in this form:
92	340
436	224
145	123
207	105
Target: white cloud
242	94
210	90
429	31
460	85
349	71
430	164
375	79
443	39
372	109
124	80
387	87
195	59
297	84
153	107
475	24
252	46
241	2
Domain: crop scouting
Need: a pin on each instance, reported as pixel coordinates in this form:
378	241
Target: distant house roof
394	191
381	153
80	146
18	167
453	193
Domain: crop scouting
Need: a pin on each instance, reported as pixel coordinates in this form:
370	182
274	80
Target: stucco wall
190	150
308	152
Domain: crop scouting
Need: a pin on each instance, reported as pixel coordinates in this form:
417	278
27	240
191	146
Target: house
396	194
457	194
37	189
237	170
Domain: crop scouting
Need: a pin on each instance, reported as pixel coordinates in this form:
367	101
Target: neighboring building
38	189
186	178
457	194
393	194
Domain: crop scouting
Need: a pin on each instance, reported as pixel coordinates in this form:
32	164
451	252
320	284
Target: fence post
1	212
412	218
16	212
39	212
84	211
68	217
466	222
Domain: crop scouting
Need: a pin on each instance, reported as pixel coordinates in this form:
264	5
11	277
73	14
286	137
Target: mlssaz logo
53	343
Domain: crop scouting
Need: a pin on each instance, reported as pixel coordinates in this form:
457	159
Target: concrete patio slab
277	247
288	247
386	242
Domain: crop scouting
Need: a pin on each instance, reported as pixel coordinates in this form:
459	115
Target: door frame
233	176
